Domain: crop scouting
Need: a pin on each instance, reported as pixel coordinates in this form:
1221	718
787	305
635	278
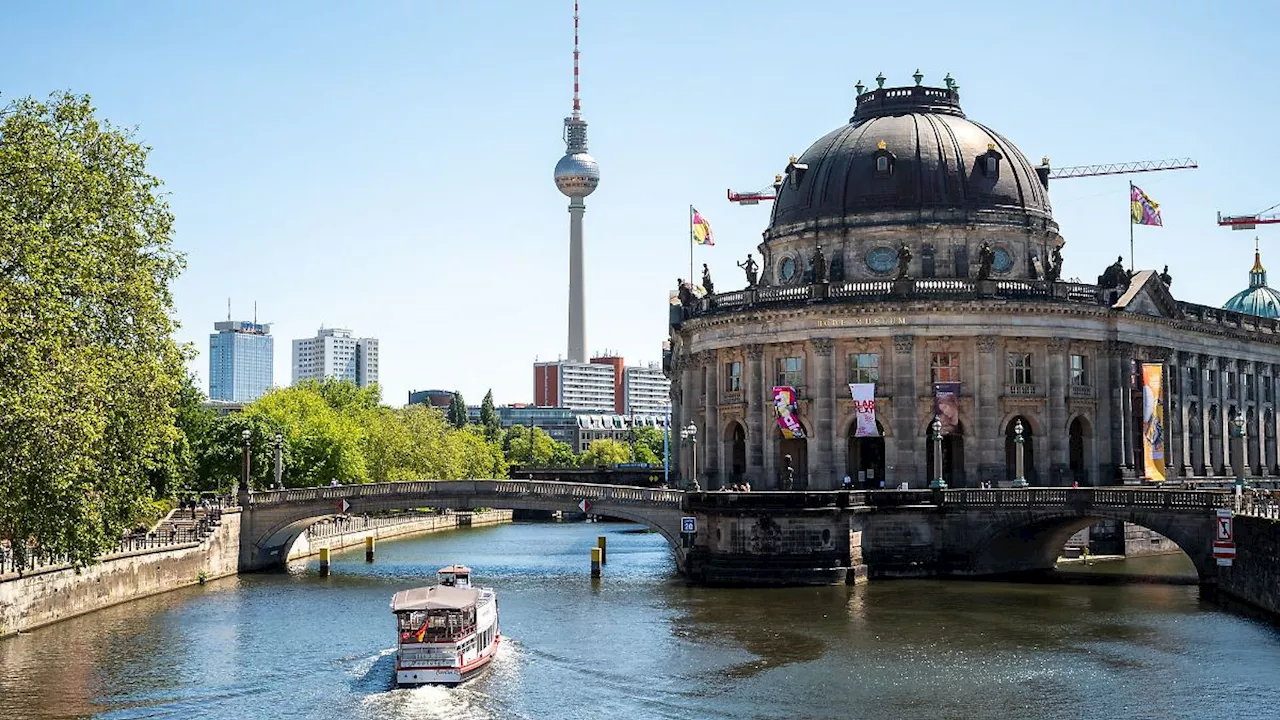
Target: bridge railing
1039	497
428	489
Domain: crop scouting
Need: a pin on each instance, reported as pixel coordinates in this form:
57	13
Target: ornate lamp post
242	492
279	483
690	433
936	427
1020	476
1237	445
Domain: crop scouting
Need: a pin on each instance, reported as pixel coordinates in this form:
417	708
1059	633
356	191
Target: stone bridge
273	520
790	537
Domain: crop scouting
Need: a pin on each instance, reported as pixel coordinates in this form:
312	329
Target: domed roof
1259	299
911	149
577	174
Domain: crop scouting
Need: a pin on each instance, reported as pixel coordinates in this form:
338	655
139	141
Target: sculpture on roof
904	262
986	256
750	268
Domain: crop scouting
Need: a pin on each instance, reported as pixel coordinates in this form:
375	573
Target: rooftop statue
750	267
819	266
986	256
904	262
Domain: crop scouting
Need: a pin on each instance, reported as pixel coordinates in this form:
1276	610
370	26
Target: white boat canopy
435	597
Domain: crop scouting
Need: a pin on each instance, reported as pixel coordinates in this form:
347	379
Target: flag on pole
1143	210
701	228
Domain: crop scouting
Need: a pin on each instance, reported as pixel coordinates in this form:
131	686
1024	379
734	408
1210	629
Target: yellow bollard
602	542
595	562
324	561
368	548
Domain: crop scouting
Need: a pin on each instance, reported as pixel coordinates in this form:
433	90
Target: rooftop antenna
255	312
577	107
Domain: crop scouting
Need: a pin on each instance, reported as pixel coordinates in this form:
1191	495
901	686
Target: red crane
1249	222
770	192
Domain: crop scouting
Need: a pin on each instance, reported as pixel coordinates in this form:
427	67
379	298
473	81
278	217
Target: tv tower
577	176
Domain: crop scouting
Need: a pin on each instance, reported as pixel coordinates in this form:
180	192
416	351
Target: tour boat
448	632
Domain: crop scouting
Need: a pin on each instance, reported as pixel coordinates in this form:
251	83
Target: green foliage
221	460
89	370
489	419
646	443
458	411
323	443
534	447
605	452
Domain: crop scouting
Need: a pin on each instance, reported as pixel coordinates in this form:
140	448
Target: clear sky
387	166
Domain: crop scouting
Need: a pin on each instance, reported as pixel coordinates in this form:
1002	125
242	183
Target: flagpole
1132	267
691	247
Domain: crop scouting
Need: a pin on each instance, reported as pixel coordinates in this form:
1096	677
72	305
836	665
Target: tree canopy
89	370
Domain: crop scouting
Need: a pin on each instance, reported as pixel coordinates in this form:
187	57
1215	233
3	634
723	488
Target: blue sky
387	166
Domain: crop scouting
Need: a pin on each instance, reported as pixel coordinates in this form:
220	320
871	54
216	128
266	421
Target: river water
640	644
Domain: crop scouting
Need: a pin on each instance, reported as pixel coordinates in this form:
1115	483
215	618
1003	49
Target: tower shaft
577	283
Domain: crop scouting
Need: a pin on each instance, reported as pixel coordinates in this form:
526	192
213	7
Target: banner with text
946	405
864	403
784	401
1153	438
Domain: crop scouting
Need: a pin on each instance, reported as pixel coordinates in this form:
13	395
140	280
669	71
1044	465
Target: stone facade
1254	576
1064	358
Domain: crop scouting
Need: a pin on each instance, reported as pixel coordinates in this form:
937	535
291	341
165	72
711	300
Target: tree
605	452
647	445
177	470
457	411
345	396
489	417
323	444
220	464
88	364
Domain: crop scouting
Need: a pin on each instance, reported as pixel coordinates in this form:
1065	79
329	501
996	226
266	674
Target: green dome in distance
1258	299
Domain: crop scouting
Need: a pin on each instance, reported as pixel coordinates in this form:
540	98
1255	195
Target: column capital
755	352
904	343
986	343
1186	358
1058	344
822	346
1157	354
707	358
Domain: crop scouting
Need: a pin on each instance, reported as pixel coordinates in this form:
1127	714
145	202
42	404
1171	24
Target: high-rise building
647	390
577	176
574	385
240	361
334	353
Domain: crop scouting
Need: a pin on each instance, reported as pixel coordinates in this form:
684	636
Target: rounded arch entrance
952	456
794	453
1028	450
1080	450
734	441
865	460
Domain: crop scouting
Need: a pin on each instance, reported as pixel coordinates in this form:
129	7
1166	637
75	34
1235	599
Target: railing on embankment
1140	498
495	489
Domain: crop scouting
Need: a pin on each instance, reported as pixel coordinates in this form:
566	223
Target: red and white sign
1226	531
585	506
344	505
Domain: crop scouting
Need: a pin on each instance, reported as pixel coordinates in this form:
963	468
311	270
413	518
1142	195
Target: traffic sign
1224	550
688	524
1226	531
344	505
585	506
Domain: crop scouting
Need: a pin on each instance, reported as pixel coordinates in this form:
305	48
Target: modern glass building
241	354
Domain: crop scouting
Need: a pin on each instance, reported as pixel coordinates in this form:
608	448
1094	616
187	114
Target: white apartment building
574	385
646	390
334	353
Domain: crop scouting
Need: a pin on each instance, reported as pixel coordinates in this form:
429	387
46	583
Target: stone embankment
338	534
1254	575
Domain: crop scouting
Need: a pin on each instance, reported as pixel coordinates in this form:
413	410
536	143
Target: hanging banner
1153	421
864	403
784	401
946	405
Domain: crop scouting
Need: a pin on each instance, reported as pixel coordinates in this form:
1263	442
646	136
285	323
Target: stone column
688	413
1131	470
770	438
1206	428
1224	413
821	463
1185	392
1056	429
906	458
711	436
989	441
757	404
1102	380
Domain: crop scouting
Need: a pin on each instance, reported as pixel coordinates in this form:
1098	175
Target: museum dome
1258	299
912	150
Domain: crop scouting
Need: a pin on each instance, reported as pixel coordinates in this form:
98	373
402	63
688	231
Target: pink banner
784	401
864	401
946	405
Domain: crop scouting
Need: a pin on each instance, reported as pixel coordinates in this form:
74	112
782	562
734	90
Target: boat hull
447	676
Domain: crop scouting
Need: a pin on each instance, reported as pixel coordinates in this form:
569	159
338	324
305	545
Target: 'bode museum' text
913	252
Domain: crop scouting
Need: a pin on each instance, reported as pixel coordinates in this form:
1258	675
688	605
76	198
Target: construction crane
1046	173
1250	222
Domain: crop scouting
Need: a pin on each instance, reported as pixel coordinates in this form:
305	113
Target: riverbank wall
336	537
1254	575
49	594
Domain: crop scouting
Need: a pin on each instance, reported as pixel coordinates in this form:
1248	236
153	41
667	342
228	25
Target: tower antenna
577	106
228	309
255	312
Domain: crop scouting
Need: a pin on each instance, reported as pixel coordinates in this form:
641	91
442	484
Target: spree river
640	644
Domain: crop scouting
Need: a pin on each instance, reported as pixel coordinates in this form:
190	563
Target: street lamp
690	434
243	490
1237	424
279	483
1020	479
936	427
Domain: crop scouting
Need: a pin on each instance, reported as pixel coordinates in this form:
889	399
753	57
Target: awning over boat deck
435	597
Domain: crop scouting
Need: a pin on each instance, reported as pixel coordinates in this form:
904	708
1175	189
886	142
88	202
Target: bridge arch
1034	539
273	521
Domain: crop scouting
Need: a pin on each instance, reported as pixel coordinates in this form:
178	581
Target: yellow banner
1153	437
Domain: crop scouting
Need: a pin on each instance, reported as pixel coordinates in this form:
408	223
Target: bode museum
912	258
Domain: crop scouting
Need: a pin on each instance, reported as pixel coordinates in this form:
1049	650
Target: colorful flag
864	402
701	229
784	402
1153	421
1143	210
